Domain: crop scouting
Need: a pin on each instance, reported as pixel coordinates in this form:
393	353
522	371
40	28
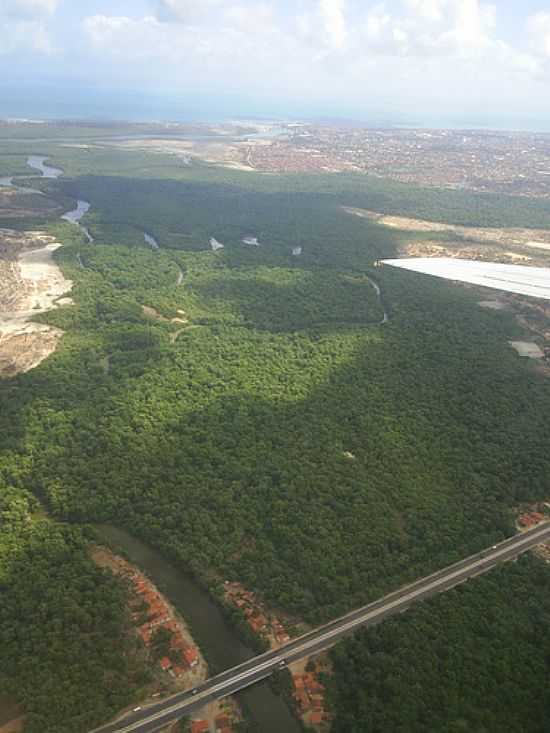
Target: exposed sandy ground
506	245
30	283
12	719
227	153
528	349
14	726
495	305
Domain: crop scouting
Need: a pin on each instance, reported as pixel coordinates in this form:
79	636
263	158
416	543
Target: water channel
151	241
75	215
376	286
211	631
38	162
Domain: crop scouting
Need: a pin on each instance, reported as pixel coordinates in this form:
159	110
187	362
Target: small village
182	665
183	656
308	691
528	518
151	612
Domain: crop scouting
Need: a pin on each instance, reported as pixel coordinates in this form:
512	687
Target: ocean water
45	102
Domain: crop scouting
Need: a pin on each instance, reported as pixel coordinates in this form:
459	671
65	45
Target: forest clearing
32	283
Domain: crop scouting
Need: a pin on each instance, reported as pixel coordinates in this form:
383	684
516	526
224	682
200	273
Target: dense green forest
475	659
276	432
65	649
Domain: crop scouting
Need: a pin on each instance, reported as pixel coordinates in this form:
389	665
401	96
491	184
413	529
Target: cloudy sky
450	61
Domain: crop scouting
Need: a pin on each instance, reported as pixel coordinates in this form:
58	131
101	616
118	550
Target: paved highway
154	717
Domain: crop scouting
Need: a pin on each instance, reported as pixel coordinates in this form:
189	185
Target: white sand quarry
32	284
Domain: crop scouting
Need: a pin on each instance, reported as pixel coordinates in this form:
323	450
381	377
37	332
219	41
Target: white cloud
332	13
431	10
538	26
28	8
256	19
129	37
24	35
424	51
432	27
377	23
24	26
474	23
186	11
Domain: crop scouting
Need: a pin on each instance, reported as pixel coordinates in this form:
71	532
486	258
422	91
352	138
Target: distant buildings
479	160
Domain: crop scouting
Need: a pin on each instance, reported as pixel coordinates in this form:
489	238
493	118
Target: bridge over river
154	717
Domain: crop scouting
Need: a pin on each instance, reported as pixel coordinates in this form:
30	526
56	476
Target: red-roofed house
258	623
199	726
191	656
145	634
222	721
165	663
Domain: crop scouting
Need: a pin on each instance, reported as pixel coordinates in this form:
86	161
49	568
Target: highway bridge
154	717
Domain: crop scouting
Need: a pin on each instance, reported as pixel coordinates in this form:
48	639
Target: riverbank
174	659
218	641
276	628
155	616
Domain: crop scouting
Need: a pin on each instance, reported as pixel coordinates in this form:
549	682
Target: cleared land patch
503	244
529	349
31	283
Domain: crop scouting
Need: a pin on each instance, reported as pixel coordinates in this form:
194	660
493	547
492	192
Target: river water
38	162
151	241
75	215
211	631
385	317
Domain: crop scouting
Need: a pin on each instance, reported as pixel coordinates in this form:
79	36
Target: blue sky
439	61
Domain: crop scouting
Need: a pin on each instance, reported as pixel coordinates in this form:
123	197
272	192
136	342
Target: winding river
38	162
385	317
75	215
217	639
